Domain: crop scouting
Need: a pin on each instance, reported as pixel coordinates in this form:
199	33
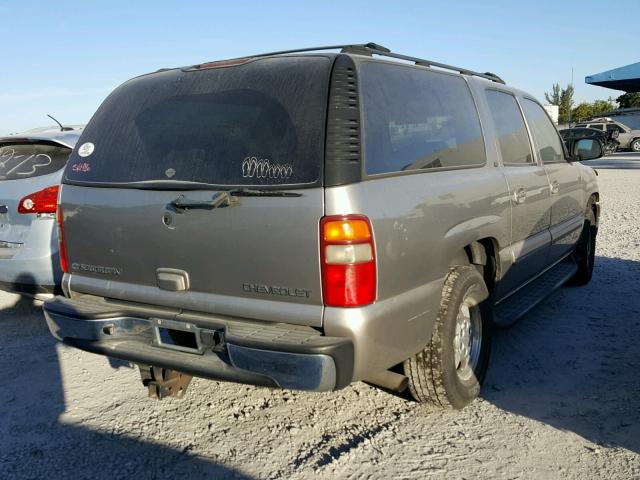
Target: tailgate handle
172	279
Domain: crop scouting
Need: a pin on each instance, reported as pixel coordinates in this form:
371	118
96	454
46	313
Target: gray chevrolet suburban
306	219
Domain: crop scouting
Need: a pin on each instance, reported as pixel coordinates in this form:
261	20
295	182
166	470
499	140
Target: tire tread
425	370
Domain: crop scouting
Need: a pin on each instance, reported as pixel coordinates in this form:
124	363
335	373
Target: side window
597	126
612	127
544	133
418	120
509	124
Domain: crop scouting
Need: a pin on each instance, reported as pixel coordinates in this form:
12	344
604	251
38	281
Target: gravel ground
561	400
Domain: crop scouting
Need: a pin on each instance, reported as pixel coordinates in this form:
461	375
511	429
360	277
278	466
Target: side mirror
587	149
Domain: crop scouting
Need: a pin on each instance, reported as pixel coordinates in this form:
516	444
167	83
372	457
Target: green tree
563	98
554	97
602	106
582	112
585	110
629	100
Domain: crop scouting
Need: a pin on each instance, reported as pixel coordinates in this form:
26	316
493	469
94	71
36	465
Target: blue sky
63	57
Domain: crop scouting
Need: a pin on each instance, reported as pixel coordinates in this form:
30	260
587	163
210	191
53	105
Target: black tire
635	145
434	377
585	251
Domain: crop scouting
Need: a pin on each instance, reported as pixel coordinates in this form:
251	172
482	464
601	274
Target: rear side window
597	126
544	133
261	123
416	119
28	160
510	129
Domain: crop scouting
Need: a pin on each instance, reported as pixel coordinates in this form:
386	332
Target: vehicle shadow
574	362
616	161
35	442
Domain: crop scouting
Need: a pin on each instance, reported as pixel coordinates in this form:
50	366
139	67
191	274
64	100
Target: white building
553	111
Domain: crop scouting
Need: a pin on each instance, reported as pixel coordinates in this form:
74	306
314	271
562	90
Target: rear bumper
265	354
34	267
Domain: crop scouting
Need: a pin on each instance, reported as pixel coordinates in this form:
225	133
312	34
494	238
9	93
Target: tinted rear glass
416	119
261	123
19	161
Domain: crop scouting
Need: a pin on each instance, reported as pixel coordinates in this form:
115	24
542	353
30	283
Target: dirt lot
561	400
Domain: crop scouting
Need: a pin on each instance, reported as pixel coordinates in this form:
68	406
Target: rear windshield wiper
251	192
227	198
219	200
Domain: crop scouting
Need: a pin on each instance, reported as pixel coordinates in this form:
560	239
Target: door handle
555	187
520	195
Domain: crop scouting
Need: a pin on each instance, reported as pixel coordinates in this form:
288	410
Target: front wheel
635	145
585	252
449	371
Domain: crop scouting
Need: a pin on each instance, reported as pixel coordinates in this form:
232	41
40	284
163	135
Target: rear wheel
449	371
585	252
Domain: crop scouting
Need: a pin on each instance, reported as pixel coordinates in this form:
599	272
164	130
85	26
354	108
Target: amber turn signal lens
346	231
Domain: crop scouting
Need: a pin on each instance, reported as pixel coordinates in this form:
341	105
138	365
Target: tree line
563	98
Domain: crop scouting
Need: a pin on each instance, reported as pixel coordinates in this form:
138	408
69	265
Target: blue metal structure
625	78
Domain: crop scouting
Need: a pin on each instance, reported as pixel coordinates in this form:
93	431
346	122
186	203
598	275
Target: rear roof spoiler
37	139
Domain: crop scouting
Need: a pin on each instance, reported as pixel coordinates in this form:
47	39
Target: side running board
510	310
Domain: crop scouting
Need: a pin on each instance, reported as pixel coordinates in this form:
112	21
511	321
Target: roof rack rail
375	49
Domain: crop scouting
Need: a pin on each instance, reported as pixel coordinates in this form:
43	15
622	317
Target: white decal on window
253	167
32	162
86	149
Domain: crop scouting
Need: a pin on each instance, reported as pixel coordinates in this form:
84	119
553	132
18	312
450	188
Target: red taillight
44	201
62	248
348	260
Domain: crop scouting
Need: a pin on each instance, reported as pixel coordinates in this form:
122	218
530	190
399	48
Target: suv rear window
261	123
416	119
28	160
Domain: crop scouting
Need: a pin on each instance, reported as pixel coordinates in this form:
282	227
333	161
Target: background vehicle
627	137
608	139
234	238
31	166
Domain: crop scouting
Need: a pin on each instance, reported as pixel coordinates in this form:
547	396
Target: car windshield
260	124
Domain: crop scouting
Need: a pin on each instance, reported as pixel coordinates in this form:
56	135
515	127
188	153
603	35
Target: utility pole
569	105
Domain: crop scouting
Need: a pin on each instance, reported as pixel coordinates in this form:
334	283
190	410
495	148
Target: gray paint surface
422	222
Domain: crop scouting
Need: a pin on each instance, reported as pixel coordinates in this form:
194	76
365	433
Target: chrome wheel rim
636	146
467	341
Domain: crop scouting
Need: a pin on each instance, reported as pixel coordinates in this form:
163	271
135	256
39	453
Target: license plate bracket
179	336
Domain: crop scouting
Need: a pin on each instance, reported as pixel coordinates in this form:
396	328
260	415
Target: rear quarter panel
421	223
